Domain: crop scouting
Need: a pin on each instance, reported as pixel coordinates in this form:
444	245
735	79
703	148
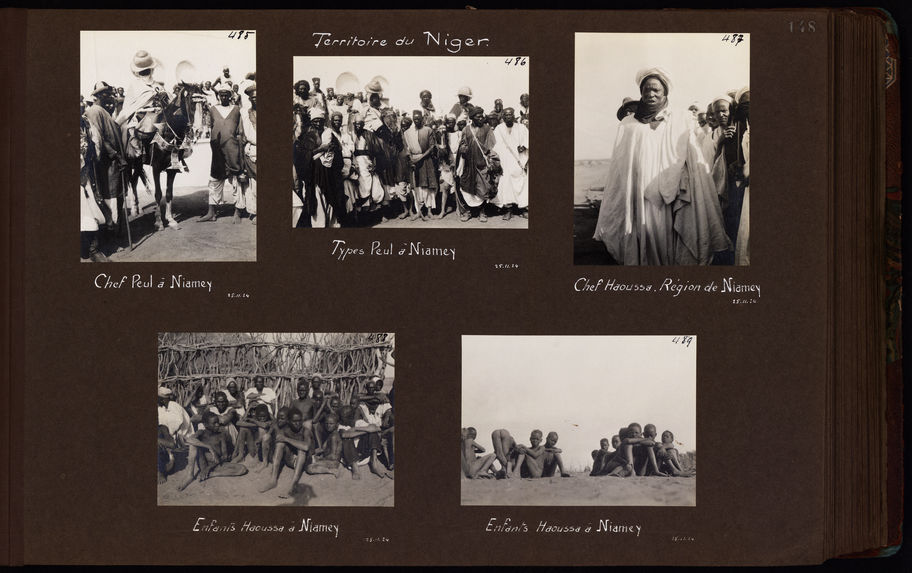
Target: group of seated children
314	434
636	452
535	461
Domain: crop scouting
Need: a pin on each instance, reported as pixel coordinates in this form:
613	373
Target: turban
657	73
745	91
164	392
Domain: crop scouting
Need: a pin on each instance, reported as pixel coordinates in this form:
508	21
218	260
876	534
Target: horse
165	135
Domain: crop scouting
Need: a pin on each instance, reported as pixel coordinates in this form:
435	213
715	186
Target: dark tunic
477	175
108	172
226	148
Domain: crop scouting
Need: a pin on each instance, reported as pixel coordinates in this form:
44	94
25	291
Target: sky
489	78
701	67
583	387
107	55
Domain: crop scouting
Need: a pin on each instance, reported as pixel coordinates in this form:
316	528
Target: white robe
513	186
650	166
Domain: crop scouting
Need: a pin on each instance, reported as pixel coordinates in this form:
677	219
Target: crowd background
408	186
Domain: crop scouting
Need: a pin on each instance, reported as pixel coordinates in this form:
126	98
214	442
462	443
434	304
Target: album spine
867	500
893	284
12	213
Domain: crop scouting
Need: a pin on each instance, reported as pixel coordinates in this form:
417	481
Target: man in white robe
513	149
659	206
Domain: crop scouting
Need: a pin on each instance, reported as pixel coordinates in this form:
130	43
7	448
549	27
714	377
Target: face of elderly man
652	91
337	122
418	119
509	117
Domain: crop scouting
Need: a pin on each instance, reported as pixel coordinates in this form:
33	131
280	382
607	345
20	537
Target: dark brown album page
741	348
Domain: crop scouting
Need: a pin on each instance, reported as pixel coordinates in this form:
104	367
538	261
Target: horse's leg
169	196
156	176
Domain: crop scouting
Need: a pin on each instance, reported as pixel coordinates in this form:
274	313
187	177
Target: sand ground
582	489
220	240
316	490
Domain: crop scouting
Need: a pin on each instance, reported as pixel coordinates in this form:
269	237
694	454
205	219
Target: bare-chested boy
474	466
621	463
281	420
644	459
505	452
601	457
209	452
667	456
252	432
293	443
541	460
304	404
326	459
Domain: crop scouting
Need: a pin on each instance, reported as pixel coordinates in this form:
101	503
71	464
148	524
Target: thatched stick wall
187	361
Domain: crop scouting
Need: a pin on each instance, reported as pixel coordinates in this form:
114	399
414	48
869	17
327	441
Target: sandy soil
581	489
219	240
317	490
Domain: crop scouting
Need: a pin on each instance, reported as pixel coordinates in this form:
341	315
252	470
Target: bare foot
162	478
288	493
210	216
566	475
404	215
355	473
272	484
183	485
374	470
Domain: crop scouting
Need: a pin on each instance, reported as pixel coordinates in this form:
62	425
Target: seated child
541	460
268	439
326	459
209	452
601	457
505	452
621	463
252	432
473	466
165	458
293	445
644	450
667	456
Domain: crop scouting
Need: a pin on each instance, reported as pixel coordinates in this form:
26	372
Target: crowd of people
123	129
315	433
358	160
677	187
636	453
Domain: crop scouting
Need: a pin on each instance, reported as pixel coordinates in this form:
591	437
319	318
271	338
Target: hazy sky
701	66
489	78
582	387
107	55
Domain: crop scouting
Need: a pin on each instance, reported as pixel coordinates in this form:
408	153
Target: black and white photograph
419	142
662	149
168	145
579	420
298	419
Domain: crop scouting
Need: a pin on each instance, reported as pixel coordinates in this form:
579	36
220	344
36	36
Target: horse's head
181	110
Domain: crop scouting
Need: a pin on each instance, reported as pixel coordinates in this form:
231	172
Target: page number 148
802	26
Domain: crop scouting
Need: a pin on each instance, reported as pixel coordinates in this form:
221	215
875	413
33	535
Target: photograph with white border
416	142
579	420
661	149
168	145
